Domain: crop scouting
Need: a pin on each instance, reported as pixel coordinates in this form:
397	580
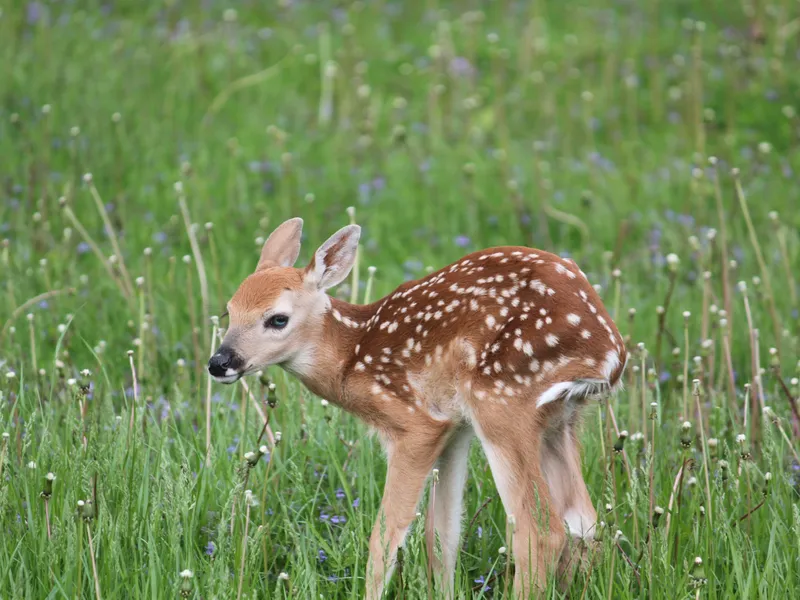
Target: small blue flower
462	241
340	493
356	502
321	556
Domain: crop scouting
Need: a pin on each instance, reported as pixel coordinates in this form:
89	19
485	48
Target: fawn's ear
283	245
334	259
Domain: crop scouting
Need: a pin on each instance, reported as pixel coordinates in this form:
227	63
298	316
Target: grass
655	144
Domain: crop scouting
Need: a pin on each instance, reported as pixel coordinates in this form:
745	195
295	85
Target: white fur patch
579	525
610	364
580	388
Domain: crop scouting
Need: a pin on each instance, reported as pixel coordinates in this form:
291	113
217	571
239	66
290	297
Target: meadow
146	150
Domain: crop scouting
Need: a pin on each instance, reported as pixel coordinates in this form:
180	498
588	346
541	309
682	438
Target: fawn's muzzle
225	365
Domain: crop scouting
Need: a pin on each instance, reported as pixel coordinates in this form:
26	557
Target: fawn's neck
324	370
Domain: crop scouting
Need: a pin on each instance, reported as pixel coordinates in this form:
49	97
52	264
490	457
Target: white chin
230	376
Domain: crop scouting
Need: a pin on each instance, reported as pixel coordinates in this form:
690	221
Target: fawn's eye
278	321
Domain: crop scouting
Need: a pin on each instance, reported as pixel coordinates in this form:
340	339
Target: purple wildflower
321	556
340	493
462	241
461	67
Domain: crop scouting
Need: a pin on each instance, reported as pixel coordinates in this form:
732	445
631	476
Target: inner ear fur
282	246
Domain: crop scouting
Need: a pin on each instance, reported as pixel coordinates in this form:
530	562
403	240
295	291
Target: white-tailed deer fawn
505	344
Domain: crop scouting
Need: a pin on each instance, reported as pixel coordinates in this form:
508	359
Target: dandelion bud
697	575
657	512
47	490
723	466
686	435
620	443
186	586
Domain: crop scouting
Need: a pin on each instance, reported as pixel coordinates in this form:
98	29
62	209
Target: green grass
581	128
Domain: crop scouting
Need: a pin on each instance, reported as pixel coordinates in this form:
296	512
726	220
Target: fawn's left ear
334	259
283	245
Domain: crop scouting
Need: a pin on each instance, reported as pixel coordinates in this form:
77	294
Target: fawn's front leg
410	460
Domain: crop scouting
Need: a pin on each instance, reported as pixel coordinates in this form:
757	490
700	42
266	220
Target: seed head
87	178
501	550
673	261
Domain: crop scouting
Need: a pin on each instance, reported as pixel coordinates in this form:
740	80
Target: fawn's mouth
230	376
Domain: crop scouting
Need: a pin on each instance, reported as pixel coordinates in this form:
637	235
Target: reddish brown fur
479	344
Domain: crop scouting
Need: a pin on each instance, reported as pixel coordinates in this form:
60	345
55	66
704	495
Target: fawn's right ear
283	245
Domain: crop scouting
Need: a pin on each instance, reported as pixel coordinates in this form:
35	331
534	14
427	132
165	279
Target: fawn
505	344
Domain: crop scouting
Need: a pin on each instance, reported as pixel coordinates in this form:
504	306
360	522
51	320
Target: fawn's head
277	313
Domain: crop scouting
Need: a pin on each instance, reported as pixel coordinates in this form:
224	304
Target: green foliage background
586	128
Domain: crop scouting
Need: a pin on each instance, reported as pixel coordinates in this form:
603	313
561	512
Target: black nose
223	360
